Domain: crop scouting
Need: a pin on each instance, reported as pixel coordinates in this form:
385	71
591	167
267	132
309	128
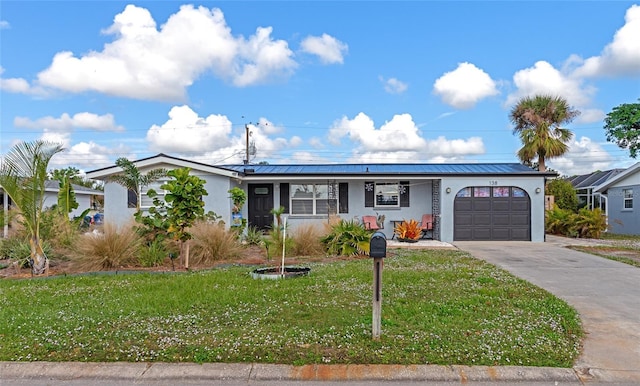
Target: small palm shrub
558	221
347	238
276	240
408	230
112	248
211	242
306	240
589	223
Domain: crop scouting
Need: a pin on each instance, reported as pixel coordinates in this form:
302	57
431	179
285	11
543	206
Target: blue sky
316	82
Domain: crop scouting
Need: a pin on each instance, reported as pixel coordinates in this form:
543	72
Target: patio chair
370	222
427	226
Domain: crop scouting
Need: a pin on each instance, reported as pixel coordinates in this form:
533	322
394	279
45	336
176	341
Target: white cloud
18	86
543	78
212	140
4	24
394	86
329	49
465	86
398	140
66	123
584	156
186	132
316	143
590	115
622	55
146	63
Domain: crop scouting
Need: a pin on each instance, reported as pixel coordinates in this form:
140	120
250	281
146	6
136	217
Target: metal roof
386	169
593	179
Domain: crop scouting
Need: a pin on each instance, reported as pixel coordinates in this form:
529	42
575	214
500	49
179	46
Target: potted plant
408	231
238	198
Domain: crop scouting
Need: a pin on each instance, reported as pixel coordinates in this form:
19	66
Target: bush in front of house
586	223
306	240
211	241
113	248
564	194
347	238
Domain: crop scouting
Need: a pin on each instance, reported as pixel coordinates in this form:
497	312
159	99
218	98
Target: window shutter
284	196
343	197
404	194
369	194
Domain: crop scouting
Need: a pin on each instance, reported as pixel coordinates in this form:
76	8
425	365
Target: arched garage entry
492	213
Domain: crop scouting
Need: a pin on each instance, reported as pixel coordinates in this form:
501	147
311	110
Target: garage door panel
482	205
481	219
463	204
463	233
463	219
520	219
501	219
520	206
521	234
482	233
501	206
500	233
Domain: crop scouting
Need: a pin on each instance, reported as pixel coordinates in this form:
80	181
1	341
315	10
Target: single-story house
585	184
497	201
84	196
621	194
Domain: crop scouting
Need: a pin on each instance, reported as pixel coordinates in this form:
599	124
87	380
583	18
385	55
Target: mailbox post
377	250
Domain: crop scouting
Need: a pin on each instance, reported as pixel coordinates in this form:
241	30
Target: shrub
306	240
253	236
153	255
275	241
18	249
347	237
211	242
408	230
589	223
558	221
111	248
565	196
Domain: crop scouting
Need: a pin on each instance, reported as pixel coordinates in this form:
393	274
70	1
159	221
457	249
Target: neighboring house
84	196
586	183
621	193
467	201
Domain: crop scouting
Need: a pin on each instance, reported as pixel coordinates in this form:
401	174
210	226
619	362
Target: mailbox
378	245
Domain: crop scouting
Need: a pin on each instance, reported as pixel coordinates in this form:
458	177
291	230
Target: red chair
370	222
427	225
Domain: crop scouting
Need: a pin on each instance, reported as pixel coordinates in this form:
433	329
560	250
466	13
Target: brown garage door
492	213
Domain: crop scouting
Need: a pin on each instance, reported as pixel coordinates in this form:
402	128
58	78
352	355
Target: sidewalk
185	372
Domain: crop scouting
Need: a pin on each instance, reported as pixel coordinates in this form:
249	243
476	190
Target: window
132	199
501	191
310	199
386	194
145	200
627	197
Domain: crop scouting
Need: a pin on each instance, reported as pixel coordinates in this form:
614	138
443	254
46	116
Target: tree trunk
39	261
541	165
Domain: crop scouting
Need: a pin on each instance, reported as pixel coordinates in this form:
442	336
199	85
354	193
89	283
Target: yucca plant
408	230
347	238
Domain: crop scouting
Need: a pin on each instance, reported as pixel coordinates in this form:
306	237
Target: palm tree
538	121
132	179
22	175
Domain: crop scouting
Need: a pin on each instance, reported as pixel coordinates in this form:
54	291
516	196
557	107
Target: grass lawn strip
439	307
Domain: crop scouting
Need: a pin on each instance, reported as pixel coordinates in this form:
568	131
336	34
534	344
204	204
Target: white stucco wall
528	184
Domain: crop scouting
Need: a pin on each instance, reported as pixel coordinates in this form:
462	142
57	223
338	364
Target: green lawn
438	307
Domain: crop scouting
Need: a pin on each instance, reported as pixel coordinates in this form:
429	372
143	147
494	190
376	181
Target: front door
260	205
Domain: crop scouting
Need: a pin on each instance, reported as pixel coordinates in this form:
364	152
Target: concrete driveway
605	293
